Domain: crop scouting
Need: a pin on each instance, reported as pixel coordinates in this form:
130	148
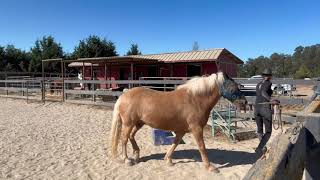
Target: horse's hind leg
197	132
177	140
135	147
125	136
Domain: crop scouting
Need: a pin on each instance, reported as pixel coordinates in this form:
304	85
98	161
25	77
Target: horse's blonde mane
203	85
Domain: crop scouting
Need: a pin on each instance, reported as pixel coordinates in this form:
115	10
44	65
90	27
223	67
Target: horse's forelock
203	85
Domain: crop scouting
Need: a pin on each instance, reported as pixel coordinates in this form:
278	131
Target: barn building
177	64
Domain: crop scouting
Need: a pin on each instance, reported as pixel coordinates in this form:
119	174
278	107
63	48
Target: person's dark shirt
263	91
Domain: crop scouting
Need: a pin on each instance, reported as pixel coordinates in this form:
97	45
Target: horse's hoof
170	163
136	161
128	162
213	169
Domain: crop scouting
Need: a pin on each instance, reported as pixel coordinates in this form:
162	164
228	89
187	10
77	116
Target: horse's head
230	90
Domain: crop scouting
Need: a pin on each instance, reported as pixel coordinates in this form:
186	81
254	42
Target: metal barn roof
189	56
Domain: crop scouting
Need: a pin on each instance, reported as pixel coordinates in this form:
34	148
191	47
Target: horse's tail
115	129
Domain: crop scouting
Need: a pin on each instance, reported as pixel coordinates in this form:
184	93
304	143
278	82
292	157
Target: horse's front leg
197	132
177	140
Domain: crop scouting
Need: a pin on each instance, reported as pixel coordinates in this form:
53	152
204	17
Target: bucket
161	137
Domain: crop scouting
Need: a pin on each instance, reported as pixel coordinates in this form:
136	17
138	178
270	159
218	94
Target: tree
13	59
281	64
303	72
286	65
195	46
242	71
134	50
94	46
2	58
257	65
297	56
46	48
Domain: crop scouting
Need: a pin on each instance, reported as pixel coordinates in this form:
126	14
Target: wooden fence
69	90
93	91
103	96
17	88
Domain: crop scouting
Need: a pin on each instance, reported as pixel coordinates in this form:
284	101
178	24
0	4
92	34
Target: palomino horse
183	110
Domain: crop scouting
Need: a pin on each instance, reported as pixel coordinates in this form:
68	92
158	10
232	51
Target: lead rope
277	121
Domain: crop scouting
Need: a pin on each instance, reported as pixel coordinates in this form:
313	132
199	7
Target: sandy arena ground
65	141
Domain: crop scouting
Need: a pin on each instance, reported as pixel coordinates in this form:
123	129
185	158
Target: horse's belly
166	122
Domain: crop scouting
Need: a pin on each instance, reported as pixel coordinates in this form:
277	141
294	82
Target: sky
248	28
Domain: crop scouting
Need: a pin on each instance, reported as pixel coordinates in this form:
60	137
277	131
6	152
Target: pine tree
134	50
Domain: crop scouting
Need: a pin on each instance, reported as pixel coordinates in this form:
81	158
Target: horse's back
139	92
163	110
136	97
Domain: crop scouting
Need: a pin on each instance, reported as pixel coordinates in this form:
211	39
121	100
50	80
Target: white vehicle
280	88
255	77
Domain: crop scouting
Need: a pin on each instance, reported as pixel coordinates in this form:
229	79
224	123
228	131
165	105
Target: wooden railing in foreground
295	153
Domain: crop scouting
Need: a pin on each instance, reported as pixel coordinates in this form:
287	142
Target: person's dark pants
263	115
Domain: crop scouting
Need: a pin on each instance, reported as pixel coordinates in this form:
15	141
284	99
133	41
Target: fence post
64	91
62	69
94	95
7	87
27	91
132	77
23	85
43	85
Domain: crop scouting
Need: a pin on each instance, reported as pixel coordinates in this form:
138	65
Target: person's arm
265	89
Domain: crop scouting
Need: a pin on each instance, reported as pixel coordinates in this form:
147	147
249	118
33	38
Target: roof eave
114	59
236	58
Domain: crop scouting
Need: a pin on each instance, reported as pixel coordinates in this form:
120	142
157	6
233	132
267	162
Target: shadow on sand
228	158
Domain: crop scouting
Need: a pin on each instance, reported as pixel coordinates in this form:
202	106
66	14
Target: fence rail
70	90
126	81
96	91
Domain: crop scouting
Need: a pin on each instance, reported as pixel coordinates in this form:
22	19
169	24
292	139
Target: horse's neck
209	101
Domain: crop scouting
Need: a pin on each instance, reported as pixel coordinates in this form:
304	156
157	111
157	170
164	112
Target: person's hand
275	102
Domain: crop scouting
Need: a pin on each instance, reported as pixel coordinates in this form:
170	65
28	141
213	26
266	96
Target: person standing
263	113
